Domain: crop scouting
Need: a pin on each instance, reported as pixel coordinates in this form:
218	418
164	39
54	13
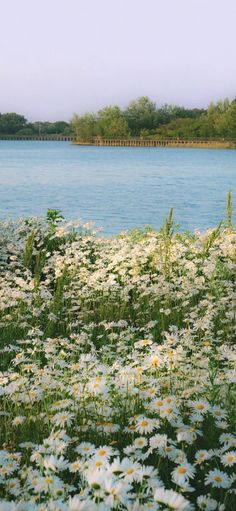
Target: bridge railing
60	138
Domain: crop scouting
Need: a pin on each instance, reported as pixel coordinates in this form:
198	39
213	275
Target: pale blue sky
63	56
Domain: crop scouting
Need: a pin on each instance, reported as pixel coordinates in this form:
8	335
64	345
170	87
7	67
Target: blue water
118	188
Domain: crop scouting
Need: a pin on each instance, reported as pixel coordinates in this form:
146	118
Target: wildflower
62	419
140	442
54	463
182	473
75	466
85	449
172	499
18	420
217	479
158	440
218	412
228	459
200	407
145	425
227	438
127	468
116	491
201	456
103	452
143	343
206	503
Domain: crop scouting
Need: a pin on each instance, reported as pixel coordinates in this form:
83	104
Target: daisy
103	452
18	420
145	425
217	479
116	492
172	499
218	413
63	419
182	473
201	407
206	503
228	459
202	456
158	441
140	442
76	504
85	449
130	469
143	343
54	463
227	438
75	466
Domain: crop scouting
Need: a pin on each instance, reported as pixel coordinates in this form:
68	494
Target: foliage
142	117
111	123
84	127
11	123
141	114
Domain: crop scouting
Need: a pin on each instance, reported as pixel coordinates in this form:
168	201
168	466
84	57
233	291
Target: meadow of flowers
118	368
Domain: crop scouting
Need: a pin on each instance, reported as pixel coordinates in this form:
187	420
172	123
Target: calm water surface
118	188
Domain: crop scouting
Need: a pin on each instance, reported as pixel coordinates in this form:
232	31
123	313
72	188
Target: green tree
111	123
29	130
141	114
228	121
84	127
11	123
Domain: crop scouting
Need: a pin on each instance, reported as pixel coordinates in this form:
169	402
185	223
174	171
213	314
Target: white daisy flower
217	479
228	459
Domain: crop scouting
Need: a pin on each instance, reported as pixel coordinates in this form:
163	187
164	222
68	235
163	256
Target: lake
119	188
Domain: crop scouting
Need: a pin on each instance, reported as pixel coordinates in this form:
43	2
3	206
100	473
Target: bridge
53	138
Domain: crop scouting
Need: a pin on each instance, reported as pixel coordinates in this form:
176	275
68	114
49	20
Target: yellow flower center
155	361
182	470
200	406
144	423
48	480
101	452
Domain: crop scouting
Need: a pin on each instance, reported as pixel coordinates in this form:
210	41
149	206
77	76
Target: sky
58	57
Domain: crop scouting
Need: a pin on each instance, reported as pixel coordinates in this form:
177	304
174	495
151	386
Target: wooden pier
141	142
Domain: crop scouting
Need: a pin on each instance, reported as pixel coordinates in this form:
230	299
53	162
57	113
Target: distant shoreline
129	142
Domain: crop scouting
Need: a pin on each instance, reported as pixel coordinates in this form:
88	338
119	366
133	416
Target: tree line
141	118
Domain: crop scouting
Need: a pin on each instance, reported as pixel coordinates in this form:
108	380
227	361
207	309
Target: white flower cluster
118	375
